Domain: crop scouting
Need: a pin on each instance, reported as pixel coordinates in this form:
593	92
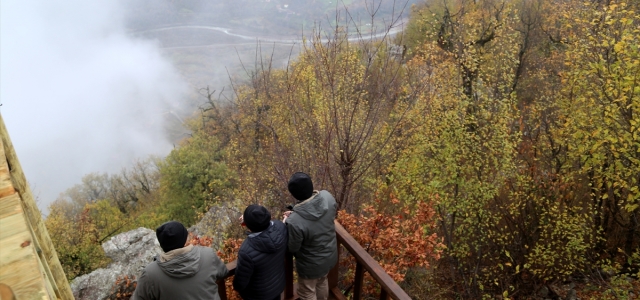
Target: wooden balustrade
364	263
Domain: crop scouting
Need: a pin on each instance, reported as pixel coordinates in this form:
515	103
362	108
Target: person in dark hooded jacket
261	258
188	273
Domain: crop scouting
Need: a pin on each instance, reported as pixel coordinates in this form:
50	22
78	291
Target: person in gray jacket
180	272
312	236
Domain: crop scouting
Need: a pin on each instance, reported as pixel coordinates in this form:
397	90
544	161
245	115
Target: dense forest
489	151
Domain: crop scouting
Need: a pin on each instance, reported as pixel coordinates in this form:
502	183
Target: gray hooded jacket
312	235
192	275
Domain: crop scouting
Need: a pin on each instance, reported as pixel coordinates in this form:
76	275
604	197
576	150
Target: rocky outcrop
130	252
214	224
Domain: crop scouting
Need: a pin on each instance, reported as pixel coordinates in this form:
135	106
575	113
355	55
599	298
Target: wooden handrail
389	287
364	262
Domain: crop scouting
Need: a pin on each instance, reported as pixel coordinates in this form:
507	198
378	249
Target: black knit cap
300	186
172	235
256	217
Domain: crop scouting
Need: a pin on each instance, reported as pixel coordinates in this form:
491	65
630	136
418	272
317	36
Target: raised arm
296	237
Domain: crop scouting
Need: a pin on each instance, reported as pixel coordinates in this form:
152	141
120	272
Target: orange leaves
398	242
229	250
123	288
229	253
199	241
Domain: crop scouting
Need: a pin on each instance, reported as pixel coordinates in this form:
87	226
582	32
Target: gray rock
214	224
571	295
130	252
543	291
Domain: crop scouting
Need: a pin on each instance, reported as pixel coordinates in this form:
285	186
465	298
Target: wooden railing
364	262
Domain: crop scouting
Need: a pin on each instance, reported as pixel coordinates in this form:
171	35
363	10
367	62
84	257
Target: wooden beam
41	240
288	274
370	264
222	286
357	284
383	295
337	294
20	267
334	273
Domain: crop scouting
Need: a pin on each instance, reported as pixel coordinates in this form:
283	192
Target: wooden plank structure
364	262
29	265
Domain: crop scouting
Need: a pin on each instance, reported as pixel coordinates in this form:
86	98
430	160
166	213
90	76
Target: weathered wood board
29	266
19	262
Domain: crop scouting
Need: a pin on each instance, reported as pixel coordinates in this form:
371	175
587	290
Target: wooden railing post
332	277
288	275
222	289
357	285
222	286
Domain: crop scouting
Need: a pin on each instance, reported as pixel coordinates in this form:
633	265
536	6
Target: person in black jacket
261	258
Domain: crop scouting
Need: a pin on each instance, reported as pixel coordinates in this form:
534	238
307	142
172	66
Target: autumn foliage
123	288
229	253
503	144
397	241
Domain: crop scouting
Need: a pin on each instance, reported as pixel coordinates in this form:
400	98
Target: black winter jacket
261	259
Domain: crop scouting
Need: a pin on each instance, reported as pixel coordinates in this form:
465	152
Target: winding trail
277	40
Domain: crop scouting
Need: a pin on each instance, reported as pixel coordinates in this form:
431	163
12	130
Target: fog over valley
93	86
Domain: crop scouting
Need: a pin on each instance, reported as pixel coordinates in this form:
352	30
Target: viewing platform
364	262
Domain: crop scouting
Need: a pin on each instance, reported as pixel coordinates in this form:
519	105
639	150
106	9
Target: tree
332	113
103	205
599	115
193	176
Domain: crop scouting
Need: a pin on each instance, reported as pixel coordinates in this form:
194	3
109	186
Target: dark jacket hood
314	208
269	240
182	266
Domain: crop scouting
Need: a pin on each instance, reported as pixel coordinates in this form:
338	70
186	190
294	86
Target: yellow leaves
618	47
631	207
